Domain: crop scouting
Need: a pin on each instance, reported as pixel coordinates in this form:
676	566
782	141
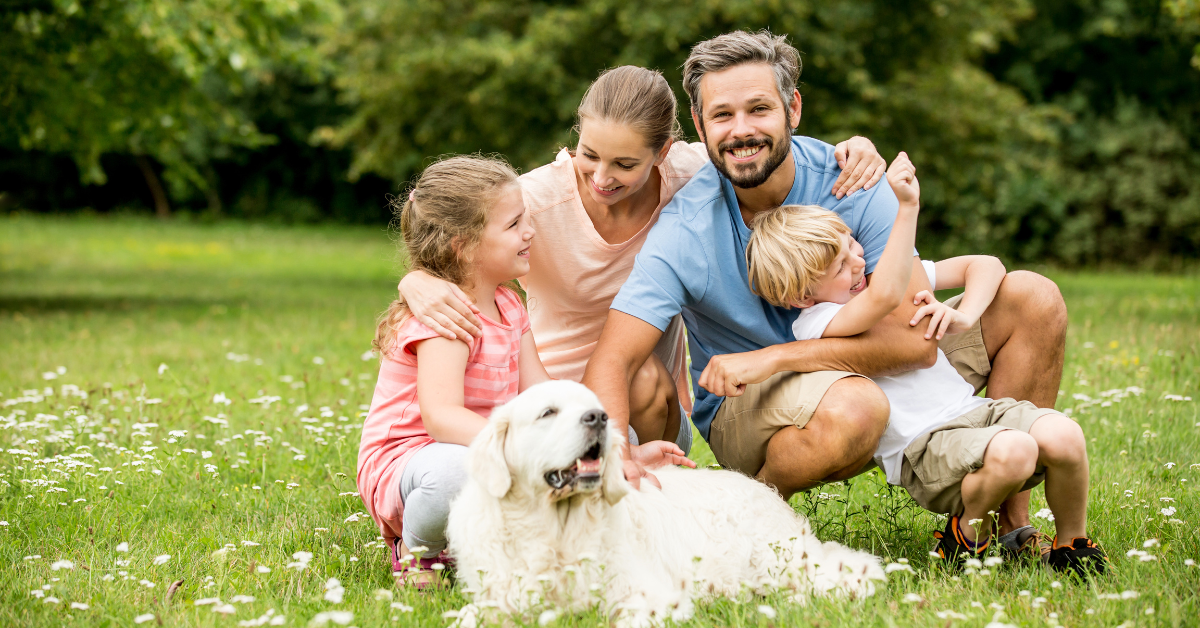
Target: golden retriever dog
547	521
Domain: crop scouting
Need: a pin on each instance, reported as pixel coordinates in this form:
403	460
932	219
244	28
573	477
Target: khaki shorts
744	425
935	464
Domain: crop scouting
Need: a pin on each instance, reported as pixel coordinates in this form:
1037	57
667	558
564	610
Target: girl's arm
894	270
441	371
440	306
979	274
530	364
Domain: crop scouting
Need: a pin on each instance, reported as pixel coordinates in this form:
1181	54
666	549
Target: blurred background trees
1044	130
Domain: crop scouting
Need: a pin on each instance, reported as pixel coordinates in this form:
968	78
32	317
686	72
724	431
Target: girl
594	207
465	223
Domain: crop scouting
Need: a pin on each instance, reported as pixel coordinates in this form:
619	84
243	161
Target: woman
592	211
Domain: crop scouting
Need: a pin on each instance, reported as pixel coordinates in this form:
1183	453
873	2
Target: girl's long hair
441	221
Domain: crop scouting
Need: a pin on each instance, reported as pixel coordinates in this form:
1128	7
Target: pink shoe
408	570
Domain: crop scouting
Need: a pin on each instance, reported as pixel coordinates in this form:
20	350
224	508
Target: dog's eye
547	413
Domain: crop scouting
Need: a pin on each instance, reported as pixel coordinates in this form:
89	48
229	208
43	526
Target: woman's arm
441	371
894	270
440	306
530	364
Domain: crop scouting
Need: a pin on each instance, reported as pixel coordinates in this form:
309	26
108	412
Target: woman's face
613	160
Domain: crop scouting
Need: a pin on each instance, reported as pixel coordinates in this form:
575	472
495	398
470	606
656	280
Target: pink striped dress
393	431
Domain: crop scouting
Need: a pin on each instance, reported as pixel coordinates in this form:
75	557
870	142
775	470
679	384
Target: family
783	267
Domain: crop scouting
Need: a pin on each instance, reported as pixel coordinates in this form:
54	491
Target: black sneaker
1029	544
1082	555
953	547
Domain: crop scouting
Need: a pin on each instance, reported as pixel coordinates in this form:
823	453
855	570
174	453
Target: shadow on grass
33	304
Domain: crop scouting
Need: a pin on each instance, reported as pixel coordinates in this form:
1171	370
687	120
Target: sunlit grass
157	324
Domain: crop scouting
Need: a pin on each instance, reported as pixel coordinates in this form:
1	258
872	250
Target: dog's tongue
587	467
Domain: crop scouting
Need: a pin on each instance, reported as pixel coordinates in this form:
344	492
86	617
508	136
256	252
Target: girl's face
613	160
845	277
503	251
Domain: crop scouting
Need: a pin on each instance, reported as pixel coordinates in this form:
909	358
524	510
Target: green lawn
117	338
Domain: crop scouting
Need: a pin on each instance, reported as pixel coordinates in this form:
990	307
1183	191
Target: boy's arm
890	347
441	372
530	364
895	267
979	274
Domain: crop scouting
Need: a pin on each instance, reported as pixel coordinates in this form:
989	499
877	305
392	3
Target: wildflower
403	608
1045	513
141	619
382	594
1023	593
1056	585
893	567
766	611
162	368
250	544
351	519
242	599
206	601
263	569
221	399
369	355
992	561
54	600
224	609
1189	563
162	559
1168	511
546	617
912	598
1128	595
334	591
338	617
1150	610
318	360
61	564
79	606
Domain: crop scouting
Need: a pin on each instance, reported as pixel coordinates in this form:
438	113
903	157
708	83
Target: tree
158	79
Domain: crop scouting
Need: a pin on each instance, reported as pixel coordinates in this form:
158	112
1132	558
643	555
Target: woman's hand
943	318
440	306
862	166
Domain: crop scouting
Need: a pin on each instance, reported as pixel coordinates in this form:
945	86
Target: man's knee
1037	298
856	407
643	391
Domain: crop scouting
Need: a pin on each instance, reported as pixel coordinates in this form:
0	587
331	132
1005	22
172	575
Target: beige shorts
935	464
744	425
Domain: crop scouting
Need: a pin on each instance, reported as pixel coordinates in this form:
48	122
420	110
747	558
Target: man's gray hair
737	48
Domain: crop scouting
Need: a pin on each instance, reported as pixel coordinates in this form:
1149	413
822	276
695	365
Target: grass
150	322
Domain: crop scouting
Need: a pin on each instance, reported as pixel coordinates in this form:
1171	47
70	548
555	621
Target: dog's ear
488	465
612	483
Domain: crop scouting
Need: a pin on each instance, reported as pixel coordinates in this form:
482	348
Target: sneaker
953	547
422	573
1028	544
1082	555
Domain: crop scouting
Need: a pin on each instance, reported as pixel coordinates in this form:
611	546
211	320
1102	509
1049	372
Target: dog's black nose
594	418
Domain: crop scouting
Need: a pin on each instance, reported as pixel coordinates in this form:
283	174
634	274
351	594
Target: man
795	414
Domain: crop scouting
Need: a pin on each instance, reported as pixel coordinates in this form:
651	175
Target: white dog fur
521	544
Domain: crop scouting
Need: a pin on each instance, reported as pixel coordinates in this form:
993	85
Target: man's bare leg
1025	332
837	442
654	403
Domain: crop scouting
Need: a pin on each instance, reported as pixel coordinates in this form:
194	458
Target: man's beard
750	176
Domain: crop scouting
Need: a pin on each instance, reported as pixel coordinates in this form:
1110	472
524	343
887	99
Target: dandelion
162	559
766	611
141	619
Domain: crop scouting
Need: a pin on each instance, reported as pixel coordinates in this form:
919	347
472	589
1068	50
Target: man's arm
891	346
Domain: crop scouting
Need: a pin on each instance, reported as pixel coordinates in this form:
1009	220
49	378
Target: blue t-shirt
694	262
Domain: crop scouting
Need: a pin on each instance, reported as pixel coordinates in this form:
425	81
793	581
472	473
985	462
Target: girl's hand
659	453
440	306
943	318
902	176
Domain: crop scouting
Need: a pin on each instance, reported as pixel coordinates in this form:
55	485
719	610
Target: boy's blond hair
790	248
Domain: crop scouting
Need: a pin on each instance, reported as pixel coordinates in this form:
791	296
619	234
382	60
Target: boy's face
844	278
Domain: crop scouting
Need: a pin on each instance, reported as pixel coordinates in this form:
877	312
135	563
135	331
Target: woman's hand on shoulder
862	166
440	306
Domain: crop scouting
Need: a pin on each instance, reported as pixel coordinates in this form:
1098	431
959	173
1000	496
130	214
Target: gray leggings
431	480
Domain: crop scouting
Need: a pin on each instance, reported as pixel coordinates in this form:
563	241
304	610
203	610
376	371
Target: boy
953	452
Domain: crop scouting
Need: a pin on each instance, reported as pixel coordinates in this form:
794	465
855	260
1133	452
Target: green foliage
161	78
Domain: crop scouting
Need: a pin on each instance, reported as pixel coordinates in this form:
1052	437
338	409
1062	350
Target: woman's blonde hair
790	248
441	221
637	97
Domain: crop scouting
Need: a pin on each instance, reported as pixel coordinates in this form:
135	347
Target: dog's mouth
584	475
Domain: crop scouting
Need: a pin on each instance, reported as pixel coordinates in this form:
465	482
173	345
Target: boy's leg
1009	461
1063	451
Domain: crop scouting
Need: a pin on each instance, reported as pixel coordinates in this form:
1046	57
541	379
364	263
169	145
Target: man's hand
943	318
861	164
660	453
727	375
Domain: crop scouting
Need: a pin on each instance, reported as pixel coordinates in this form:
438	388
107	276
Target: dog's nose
594	418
